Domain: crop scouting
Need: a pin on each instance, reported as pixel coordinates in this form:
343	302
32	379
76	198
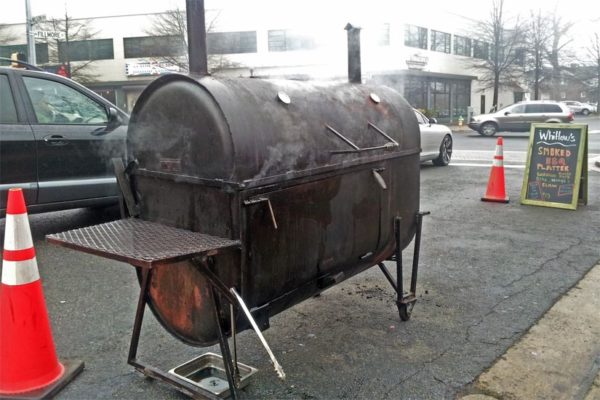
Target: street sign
556	171
48	34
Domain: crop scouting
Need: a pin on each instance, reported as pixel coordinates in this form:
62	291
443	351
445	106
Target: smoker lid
246	131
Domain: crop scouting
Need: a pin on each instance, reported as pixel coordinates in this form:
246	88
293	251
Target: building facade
427	57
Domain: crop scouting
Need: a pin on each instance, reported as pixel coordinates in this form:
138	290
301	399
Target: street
488	272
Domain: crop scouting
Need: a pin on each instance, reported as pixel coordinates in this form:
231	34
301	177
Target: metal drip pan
208	373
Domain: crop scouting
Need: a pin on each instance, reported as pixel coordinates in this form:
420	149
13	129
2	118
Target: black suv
57	139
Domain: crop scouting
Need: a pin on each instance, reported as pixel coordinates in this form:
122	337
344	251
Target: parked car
518	117
436	140
57	139
580	108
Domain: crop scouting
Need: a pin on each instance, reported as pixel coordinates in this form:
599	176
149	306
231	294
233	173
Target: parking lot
488	272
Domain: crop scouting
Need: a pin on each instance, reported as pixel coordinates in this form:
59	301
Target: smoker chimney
354	72
196	31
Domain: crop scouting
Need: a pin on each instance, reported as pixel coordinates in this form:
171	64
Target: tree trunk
536	95
496	89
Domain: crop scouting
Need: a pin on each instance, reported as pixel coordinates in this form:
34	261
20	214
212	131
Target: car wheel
445	152
585	111
488	129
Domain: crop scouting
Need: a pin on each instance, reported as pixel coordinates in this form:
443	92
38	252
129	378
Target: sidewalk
559	358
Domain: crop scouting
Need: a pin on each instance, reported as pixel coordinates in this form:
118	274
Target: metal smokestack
196	31
354	67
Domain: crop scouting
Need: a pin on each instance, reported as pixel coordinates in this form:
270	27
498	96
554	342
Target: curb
557	357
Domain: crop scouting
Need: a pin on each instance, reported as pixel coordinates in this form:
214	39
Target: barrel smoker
247	196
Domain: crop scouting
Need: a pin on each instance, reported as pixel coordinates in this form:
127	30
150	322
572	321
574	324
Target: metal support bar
242	305
385	135
405	303
213	279
387	274
225	353
148	370
139	317
415	266
399	267
344	138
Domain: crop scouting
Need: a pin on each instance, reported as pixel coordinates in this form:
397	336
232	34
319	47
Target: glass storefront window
444	99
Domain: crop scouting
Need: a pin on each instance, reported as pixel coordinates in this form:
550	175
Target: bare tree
555	52
172	27
501	68
536	44
593	53
60	49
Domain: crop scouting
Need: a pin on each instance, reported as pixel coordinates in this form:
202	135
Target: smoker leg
405	303
139	316
225	352
148	370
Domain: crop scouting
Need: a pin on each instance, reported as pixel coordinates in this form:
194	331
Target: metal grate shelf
141	243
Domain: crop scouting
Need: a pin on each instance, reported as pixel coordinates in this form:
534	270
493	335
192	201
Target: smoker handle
242	305
379	178
391	145
250	202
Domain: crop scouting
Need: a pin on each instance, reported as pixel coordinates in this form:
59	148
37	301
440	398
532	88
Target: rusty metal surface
141	243
238	131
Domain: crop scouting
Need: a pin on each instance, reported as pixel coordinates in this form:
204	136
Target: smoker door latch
257	200
379	178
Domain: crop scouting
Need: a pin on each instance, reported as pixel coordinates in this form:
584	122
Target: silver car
436	140
518	117
580	108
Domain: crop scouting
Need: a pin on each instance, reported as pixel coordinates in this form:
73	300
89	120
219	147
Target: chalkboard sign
556	172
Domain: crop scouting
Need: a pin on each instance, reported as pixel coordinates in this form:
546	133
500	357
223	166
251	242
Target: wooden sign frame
579	193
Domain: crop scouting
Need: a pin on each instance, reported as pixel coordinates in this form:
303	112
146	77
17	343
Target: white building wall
326	61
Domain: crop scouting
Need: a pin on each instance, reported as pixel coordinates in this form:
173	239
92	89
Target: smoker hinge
258	200
122	174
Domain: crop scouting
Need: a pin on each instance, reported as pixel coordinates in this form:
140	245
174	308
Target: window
41	52
287	40
462	46
552	108
153	46
231	42
481	49
583	95
440	98
56	103
440	41
83	50
415	92
520	56
8	112
383	37
518	109
542	108
415	36
420	118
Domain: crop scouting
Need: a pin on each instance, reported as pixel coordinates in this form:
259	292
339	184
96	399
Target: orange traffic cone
28	361
496	191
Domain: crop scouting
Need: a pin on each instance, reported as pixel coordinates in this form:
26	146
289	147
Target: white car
436	140
580	108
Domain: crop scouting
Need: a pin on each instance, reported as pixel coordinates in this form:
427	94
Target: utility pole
30	39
